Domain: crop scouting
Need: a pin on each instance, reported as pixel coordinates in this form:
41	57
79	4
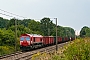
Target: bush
6	50
78	50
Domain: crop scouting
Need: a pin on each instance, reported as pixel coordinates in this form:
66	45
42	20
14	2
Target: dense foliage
45	27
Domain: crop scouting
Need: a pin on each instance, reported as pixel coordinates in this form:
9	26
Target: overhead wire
6	15
11	14
15	15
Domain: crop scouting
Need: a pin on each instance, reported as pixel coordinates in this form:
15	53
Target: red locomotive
29	41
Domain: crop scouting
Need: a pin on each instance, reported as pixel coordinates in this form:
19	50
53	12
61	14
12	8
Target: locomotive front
25	42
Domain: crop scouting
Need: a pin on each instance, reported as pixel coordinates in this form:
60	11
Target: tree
34	25
70	32
88	32
7	37
11	22
46	26
61	31
65	31
3	22
85	32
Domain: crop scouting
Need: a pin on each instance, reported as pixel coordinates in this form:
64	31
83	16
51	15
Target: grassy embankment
78	49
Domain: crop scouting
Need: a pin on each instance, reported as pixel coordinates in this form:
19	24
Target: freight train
31	41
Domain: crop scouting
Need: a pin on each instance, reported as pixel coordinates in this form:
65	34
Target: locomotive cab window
28	38
21	38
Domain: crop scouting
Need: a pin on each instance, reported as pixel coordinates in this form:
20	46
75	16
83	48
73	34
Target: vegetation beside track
78	49
6	50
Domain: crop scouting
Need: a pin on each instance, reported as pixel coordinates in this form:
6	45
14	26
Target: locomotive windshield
27	38
21	38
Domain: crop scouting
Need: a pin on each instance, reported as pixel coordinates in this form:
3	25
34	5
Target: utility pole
15	35
56	36
48	31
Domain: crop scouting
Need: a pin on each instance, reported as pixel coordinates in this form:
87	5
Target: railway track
28	55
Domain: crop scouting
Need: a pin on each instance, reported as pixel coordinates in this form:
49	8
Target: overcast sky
71	13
